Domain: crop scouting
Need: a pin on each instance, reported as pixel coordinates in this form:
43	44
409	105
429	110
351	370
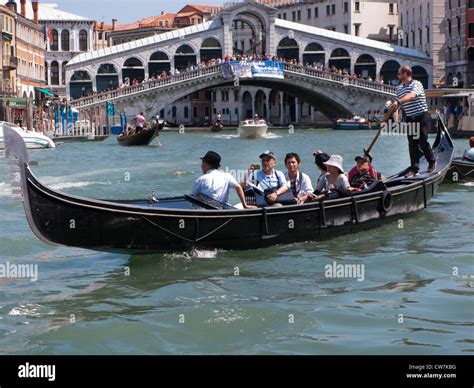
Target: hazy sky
126	11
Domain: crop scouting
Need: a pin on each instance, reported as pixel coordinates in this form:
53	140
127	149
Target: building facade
423	27
101	35
460	43
8	52
31	50
376	20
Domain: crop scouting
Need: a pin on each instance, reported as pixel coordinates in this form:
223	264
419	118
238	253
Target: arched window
186	112
83	40
65	40
55	40
54	73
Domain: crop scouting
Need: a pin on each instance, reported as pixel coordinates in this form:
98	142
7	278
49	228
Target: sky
125	11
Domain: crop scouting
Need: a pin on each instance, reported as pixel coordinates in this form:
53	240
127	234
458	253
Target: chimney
35	5
23	8
11	5
101	25
162	12
113	24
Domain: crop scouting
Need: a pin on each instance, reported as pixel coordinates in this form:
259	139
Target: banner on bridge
253	69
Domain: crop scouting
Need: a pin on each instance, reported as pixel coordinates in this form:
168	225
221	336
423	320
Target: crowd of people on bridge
229	58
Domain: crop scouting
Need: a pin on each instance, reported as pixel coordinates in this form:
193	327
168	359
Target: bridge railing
214	69
147	85
344	79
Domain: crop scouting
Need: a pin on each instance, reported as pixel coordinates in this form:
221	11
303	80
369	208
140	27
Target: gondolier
411	98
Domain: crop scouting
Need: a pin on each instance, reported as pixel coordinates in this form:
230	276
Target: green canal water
269	301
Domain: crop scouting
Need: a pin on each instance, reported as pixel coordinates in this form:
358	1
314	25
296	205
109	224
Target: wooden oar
387	116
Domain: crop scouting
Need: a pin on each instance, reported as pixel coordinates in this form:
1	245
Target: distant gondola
142	138
217	127
181	223
461	170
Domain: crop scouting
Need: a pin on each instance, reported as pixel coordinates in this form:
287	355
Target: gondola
182	223
144	137
217	127
461	170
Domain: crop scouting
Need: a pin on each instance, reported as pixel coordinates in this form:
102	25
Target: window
420	32
333	9
284	16
357	6
173	112
316	12
186	112
279	16
309	13
328	10
299	15
471	30
83	40
356	29
449	28
449	4
195	111
390	32
390	8
471	4
55	41
427	35
459	26
346	29
65	40
236	95
54	73
100	36
294	15
63	73
346	7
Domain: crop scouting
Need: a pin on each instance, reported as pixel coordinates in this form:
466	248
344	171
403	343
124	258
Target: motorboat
253	128
32	139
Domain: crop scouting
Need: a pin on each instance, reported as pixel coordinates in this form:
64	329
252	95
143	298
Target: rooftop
48	11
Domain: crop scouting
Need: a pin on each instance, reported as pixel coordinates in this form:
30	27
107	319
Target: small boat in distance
32	139
217	127
142	138
253	129
356	122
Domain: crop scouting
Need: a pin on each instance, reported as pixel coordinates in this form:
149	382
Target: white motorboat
32	139
253	129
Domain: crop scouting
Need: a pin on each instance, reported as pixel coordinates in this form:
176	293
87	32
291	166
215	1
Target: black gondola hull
173	225
461	170
140	139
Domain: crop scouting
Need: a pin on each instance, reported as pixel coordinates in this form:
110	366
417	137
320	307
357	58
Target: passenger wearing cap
334	180
268	178
363	178
298	182
216	184
362	159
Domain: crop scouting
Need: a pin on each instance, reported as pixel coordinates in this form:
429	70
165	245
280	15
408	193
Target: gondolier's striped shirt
418	106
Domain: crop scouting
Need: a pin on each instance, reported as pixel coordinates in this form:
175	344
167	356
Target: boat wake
195	254
5	189
70	185
467	184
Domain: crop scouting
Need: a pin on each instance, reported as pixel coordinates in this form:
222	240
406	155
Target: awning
45	91
18	103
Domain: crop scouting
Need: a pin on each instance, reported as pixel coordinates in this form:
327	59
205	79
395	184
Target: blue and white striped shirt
418	106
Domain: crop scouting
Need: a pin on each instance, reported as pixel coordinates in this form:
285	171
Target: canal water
415	295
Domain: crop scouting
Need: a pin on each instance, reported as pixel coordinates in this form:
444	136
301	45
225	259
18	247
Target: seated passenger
216	184
363	178
299	183
270	181
334	180
469	154
362	160
319	159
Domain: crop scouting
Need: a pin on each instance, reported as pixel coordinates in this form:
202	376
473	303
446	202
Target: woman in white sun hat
334	180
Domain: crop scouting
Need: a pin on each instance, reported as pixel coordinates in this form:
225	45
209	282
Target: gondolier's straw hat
336	161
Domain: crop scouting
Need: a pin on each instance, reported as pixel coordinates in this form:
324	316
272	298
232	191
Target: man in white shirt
299	183
216	184
268	178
